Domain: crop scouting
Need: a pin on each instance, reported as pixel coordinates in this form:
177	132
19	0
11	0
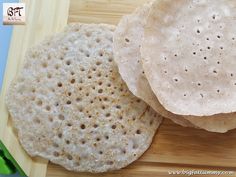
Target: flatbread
126	46
70	105
188	55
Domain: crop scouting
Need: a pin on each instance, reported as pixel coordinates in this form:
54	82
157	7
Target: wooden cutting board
174	147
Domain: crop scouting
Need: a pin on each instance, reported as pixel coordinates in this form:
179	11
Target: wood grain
101	11
43	18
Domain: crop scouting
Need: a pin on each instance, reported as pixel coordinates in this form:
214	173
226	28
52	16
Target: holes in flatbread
56	154
82	126
100	90
120	117
61	117
78	99
124	132
69	124
82	69
44	65
80	108
98	40
175	55
213	17
151	122
69	157
89	77
50	119
67	142
100	83
80	88
194	53
98	139
113	126
185	95
110	162
165	72
68	102
103	107
100	152
221	48
81	50
233	38
205	58
199	84
59	84
106	137
207	39
94	68
72	73
72	81
95	125
88	33
108	114
59	135
214	71
208	47
98	63
39	103
176	80
231	74
218	91
56	104
55	145
135	144
101	53
49	75
87	55
127	40
87	94
218	62
99	74
201	95
48	108
68	62
36	120
57	66
118	107
138	131
198	31
108	85
110	59
82	141
61	57
69	93
218	36
91	101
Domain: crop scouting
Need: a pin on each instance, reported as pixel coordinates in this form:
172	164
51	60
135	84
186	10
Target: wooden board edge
58	19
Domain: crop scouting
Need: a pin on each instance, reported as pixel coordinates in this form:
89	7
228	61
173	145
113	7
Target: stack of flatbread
92	97
179	57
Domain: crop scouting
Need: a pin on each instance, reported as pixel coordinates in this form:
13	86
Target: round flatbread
188	55
127	40
70	105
